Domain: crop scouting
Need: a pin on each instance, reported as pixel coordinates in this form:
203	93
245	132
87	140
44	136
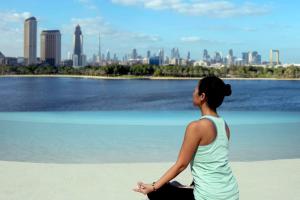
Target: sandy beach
136	77
276	179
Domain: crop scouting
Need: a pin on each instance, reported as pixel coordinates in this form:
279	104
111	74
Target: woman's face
196	97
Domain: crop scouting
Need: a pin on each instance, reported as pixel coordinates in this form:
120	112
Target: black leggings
172	191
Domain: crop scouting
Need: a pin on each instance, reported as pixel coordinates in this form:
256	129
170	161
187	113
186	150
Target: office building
30	41
78	56
51	47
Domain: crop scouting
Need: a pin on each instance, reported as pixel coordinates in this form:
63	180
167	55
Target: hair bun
227	90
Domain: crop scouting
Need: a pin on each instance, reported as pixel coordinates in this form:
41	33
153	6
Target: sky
190	25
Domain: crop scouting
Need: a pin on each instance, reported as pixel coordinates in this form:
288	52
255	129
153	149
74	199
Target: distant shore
135	77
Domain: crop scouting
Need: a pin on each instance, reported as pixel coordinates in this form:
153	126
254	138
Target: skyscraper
188	57
99	51
78	56
277	57
218	57
30	34
205	55
134	54
245	58
148	54
161	56
230	58
107	56
51	47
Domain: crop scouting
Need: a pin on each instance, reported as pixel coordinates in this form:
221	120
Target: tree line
158	71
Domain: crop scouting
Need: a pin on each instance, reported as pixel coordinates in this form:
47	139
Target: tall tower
51	47
277	57
205	55
30	34
161	55
99	51
148	54
78	56
188	57
134	54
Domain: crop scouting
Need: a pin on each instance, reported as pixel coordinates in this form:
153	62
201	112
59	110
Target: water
76	94
102	121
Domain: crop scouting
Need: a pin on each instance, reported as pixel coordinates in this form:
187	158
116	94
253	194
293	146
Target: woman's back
212	174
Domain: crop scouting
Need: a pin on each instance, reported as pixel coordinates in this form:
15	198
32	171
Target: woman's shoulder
202	123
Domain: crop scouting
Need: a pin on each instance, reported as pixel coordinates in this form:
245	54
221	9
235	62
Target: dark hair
215	90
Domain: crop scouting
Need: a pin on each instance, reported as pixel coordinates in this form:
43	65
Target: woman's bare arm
189	146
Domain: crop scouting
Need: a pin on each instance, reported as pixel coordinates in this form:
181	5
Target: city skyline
121	31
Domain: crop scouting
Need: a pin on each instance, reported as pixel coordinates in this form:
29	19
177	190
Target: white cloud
114	38
191	39
196	40
89	4
219	8
11	28
94	26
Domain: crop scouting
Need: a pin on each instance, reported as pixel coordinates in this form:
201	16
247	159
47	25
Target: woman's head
211	90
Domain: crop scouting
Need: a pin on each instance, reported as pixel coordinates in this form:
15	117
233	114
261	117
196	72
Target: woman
205	148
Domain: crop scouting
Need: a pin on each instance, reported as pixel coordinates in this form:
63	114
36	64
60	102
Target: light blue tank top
212	174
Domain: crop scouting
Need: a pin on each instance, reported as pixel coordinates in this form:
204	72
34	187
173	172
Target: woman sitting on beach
205	148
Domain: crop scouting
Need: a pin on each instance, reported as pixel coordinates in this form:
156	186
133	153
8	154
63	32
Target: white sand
277	179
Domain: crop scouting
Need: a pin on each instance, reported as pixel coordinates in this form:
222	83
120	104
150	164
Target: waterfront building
206	56
276	52
188	57
154	60
30	41
2	58
148	54
134	54
51	47
79	59
217	57
230	58
161	55
245	58
254	58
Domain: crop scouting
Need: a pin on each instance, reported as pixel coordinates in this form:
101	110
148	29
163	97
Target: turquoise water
138	136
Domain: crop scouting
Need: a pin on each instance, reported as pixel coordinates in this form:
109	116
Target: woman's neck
205	110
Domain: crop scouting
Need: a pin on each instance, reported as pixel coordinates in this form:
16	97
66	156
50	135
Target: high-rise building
161	55
51	47
172	53
148	54
206	57
107	56
78	56
2	58
245	58
188	57
175	53
99	50
217	57
134	54
254	58
277	61
30	34
230	58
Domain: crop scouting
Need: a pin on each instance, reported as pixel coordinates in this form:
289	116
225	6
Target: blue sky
190	25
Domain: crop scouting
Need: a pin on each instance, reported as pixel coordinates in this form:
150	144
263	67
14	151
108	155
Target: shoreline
135	77
270	179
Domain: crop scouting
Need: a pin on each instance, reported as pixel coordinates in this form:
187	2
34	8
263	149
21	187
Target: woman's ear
202	97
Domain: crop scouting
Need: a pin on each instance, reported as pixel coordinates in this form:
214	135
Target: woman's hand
143	188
